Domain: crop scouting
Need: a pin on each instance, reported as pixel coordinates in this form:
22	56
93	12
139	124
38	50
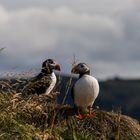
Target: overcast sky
103	33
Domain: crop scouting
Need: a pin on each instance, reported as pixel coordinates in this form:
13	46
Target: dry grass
41	118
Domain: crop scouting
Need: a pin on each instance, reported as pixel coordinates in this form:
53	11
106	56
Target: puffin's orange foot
80	116
90	115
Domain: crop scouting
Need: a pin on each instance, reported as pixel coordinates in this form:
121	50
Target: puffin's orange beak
74	69
57	67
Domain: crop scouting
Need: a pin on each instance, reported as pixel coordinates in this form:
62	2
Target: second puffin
85	90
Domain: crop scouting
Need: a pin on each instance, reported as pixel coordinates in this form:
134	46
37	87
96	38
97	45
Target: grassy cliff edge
40	118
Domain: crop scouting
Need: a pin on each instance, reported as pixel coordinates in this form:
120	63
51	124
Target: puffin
45	81
84	91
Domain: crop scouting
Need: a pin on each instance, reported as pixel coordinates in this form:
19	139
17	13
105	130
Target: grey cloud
92	6
107	40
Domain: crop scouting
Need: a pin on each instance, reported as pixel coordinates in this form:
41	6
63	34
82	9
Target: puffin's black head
49	65
81	69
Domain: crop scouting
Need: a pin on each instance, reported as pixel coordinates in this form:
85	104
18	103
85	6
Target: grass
41	118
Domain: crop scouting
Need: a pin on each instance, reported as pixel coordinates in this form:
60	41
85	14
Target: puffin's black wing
75	108
38	85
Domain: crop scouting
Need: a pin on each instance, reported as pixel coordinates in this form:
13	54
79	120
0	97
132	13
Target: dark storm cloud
105	35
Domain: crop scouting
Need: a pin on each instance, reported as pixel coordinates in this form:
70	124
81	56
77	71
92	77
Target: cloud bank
106	38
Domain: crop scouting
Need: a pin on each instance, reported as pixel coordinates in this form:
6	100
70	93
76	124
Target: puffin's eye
50	61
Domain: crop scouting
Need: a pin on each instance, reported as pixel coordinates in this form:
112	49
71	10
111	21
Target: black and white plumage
85	90
45	81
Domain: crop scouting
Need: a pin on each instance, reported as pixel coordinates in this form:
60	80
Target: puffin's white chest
50	88
86	90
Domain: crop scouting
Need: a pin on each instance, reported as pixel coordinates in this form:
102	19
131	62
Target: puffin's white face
80	68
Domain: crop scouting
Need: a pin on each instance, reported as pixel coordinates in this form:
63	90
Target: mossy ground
41	118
